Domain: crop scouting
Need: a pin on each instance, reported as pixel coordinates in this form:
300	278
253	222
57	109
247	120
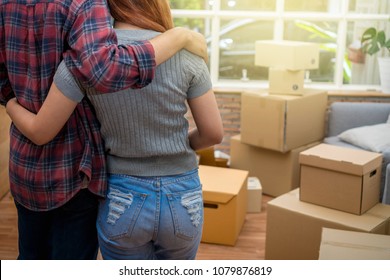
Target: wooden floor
250	244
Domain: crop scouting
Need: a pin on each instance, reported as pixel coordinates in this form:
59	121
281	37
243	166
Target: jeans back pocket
187	213
119	212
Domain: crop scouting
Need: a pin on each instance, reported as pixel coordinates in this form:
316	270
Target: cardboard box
278	172
350	245
254	195
282	81
225	203
294	227
291	55
206	156
340	178
4	151
282	122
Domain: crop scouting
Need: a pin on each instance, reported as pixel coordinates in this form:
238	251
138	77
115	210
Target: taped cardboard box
294	227
340	178
255	195
278	172
291	55
350	245
4	151
282	81
225	203
282	122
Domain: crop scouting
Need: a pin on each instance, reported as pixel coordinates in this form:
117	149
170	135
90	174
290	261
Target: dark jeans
66	233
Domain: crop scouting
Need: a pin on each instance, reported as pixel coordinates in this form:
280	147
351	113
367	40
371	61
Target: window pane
237	48
201	25
312	6
364	67
370	6
252	5
323	33
191	4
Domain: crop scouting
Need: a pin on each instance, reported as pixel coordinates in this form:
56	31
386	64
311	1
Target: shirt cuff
67	84
144	53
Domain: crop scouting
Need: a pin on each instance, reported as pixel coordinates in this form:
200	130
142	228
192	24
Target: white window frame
279	16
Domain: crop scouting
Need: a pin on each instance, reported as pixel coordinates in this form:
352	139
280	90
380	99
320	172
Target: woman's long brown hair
146	14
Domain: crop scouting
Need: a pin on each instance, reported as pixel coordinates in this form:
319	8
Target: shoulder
128	36
190	56
191	62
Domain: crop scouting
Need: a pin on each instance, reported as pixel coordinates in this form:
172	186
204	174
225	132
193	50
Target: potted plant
373	41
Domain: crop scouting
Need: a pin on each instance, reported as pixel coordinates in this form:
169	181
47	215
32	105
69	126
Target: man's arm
96	60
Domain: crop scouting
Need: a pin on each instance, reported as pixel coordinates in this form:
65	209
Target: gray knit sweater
145	130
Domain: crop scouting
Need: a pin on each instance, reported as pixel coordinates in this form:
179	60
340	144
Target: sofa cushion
374	138
335	140
347	115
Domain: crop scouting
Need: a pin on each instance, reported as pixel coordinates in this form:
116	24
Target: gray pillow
375	138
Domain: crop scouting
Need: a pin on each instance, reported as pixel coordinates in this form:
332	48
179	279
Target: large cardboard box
291	55
225	203
278	172
340	178
282	122
255	195
350	245
282	81
294	227
4	151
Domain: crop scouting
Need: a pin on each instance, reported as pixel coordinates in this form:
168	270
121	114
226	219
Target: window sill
331	93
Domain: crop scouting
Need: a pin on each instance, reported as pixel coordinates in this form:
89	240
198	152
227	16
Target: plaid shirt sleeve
95	58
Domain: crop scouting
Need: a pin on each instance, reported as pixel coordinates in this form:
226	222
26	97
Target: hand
175	39
197	44
11	103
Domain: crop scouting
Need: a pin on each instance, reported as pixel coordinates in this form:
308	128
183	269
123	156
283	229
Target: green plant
374	40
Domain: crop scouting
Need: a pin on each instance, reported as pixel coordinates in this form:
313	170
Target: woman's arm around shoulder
42	127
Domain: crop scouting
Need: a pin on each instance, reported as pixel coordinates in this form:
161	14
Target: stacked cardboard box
294	227
339	189
277	124
341	178
278	172
287	62
280	122
4	151
351	245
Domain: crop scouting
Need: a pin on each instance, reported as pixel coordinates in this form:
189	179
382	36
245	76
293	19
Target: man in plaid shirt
56	186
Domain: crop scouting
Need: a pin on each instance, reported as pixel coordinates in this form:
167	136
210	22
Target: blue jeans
66	233
151	217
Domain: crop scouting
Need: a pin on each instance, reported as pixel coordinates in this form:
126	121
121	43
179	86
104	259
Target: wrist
184	36
8	102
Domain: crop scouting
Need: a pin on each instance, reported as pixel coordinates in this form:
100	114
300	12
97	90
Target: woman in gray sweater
154	207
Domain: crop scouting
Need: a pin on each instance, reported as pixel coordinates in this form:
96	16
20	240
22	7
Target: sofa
362	125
